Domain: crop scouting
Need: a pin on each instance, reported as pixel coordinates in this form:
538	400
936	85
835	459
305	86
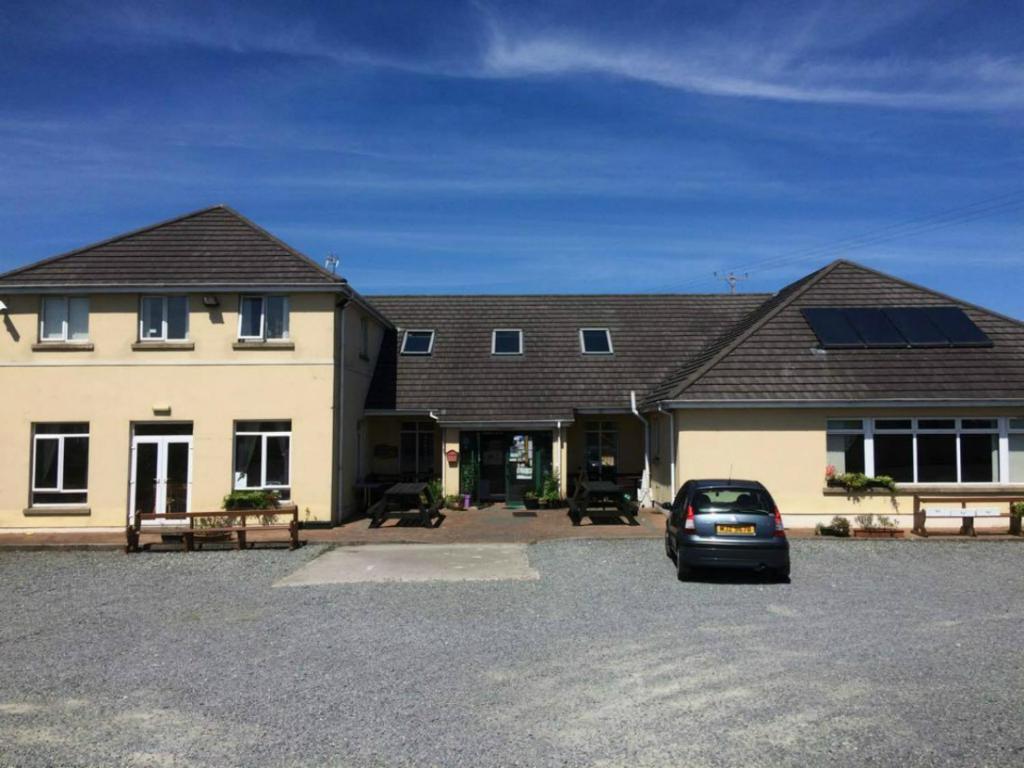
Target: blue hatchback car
726	524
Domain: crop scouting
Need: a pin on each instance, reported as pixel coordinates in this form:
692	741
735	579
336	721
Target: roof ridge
764	294
714	353
109	240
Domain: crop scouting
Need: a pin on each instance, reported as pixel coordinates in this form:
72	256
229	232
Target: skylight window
596	341
418	343
894	327
507	341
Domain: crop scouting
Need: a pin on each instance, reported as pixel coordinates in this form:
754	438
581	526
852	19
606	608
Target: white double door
161	473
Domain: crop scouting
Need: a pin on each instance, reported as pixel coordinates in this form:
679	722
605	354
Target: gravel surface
878	653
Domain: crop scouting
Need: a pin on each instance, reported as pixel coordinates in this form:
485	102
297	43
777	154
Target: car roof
751	484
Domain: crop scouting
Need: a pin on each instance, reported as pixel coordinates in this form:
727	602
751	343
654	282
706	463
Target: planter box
531	503
878	533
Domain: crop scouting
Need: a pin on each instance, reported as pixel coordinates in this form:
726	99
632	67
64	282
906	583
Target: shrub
551	490
258	499
1017	509
838	526
858	481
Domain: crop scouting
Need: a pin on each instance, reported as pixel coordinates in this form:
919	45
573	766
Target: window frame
1001	429
418	428
494	342
164	299
600	428
608	335
65	329
264	299
405	341
263	435
60	438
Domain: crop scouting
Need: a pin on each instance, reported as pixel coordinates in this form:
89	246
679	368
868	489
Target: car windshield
731	500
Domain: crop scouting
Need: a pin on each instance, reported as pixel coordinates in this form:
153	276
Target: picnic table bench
924	508
600	498
406	501
234	521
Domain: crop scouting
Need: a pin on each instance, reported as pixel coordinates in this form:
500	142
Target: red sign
453	457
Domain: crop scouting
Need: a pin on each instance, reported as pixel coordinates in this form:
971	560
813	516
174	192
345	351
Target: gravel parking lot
878	653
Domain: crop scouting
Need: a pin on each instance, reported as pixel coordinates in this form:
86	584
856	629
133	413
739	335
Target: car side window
679	504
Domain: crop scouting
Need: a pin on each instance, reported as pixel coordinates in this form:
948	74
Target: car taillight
690	526
780	529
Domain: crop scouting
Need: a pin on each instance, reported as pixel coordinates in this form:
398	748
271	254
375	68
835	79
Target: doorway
161	470
509	464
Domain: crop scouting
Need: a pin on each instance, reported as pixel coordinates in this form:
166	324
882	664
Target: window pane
152	317
893	424
407	454
846	453
1017	458
76	463
277	459
53	497
979	458
177	317
426	452
78	319
277	317
264	426
46	462
845	425
894	456
248	461
417	342
54	316
1017	424
936	458
596	341
507	343
949	424
63	428
980	424
252	316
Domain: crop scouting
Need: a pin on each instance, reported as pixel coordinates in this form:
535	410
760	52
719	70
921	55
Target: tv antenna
732	279
332	261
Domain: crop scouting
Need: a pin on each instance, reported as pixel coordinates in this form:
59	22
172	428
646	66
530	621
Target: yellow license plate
735	530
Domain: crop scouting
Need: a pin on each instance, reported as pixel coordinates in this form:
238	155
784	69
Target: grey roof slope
769	357
463	382
212	246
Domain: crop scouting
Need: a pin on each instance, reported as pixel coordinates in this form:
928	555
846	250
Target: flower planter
531	503
1015	526
878	533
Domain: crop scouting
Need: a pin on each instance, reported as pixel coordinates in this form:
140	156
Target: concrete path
415	562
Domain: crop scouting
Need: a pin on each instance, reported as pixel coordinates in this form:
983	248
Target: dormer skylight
507	341
596	341
418	342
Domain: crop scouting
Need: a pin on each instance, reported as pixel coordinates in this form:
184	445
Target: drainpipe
645	482
561	469
671	448
338	428
444	472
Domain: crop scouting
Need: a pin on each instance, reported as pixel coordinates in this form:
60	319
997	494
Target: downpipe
645	482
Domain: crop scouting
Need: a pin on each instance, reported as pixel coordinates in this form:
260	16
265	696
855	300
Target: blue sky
500	147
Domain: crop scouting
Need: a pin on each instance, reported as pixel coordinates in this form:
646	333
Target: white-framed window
64	318
60	463
932	449
418	342
263	456
596	341
364	337
416	456
601	449
507	341
263	318
163	318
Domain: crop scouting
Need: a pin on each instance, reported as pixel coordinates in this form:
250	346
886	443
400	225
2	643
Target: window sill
164	346
284	344
57	511
63	346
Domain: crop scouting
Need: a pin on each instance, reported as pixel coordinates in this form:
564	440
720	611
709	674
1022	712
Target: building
163	368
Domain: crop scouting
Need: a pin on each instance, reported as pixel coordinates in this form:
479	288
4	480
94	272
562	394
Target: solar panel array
894	327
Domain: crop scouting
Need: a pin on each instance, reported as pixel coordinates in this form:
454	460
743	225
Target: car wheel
668	550
683	571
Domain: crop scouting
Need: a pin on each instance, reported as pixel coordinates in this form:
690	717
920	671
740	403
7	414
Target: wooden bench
406	501
600	498
965	514
235	522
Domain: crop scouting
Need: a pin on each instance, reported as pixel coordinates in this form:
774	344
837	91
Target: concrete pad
415	563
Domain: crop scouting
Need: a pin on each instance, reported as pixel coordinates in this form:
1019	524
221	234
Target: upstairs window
263	456
60	463
507	342
596	341
418	343
263	318
64	318
163	318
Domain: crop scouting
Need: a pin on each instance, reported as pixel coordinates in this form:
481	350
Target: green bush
551	490
858	481
258	499
838	526
1017	509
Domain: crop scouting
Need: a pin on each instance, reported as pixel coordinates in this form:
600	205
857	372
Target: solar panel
916	327
958	327
832	328
875	328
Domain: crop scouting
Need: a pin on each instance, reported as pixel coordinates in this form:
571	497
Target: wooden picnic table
600	498
406	501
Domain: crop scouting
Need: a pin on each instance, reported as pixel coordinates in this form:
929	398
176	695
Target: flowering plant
830	472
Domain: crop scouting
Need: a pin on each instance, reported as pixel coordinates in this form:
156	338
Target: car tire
683	571
668	550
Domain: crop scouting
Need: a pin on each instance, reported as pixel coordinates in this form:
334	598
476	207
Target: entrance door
493	447
161	473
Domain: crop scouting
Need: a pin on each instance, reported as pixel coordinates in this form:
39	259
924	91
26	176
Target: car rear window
731	500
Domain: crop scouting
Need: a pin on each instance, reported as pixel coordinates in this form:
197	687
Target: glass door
161	472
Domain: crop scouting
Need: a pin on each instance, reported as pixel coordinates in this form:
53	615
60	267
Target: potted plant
831	478
838	526
551	493
453	502
858	481
876	527
1016	513
531	500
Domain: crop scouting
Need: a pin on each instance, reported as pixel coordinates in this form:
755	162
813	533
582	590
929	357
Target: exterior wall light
211	301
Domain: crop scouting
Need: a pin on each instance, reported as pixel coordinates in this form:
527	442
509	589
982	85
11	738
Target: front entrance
161	471
505	465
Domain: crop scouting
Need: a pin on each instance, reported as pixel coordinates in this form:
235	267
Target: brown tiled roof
213	246
773	354
462	381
